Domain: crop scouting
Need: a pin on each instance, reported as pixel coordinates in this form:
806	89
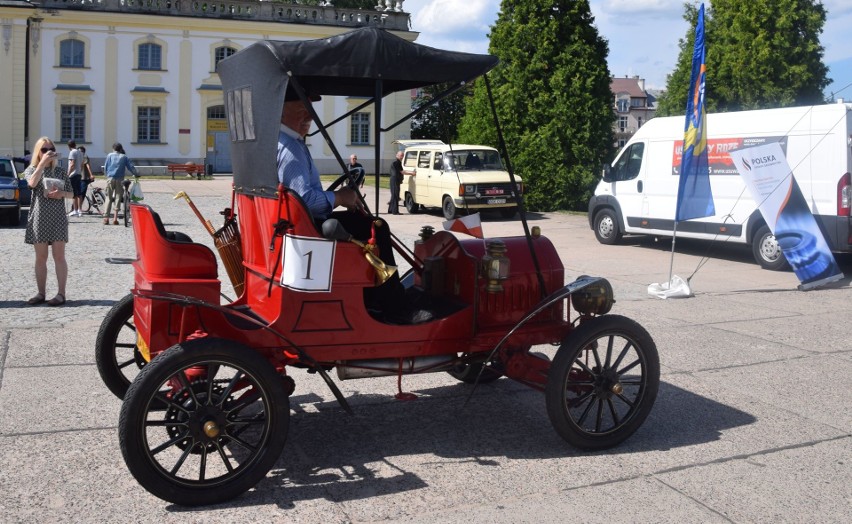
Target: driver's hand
348	198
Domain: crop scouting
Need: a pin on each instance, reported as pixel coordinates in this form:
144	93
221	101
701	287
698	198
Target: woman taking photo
47	224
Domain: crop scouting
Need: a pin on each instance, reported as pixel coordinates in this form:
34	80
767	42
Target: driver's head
295	115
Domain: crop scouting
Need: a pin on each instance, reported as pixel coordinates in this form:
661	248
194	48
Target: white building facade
142	72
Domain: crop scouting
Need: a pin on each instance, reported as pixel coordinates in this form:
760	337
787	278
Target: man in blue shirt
297	171
296	168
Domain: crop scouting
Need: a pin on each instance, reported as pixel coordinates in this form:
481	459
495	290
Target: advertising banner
770	180
718	160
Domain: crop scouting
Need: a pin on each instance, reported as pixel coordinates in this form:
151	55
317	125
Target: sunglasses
46	149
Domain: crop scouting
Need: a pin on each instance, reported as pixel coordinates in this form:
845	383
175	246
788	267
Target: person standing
75	174
396	183
115	166
47	225
357	171
88	176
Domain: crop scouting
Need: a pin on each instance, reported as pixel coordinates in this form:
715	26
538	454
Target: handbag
136	194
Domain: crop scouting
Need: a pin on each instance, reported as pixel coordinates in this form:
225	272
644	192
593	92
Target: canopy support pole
377	140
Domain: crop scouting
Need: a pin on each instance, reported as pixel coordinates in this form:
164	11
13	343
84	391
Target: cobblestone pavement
752	422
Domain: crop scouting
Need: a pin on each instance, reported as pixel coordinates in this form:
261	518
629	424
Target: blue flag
694	198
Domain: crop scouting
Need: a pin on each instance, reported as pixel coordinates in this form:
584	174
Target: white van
639	190
455	178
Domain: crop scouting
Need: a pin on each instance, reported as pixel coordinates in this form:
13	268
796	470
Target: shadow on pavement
334	456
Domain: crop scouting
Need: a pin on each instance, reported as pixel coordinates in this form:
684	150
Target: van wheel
607	230
766	250
449	208
410	205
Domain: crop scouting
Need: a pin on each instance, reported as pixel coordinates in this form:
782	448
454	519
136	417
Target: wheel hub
607	384
211	429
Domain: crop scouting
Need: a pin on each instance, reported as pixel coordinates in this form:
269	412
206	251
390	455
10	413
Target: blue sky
642	34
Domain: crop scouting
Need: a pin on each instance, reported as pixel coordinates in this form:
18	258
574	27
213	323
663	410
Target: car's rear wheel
449	208
204	422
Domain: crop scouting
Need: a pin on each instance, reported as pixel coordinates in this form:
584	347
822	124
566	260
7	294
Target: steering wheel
351	176
339	180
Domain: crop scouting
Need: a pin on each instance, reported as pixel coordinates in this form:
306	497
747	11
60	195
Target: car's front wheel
449	208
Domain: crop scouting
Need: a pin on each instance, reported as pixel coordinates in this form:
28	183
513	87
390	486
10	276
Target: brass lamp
495	265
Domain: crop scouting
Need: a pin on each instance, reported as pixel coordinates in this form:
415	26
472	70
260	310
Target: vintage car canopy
363	62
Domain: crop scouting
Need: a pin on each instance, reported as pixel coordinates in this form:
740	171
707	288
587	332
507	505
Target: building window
216	113
622	105
72	53
222	53
150	57
622	123
637	102
639	122
148	125
72	125
360	128
621	143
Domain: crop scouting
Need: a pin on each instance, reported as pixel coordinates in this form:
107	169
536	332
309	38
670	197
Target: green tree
552	96
440	120
760	54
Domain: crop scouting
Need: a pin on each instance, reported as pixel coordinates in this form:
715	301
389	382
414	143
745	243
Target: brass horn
383	271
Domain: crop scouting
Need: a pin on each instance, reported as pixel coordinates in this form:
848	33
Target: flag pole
671	260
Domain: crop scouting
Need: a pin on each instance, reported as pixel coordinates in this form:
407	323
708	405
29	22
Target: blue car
14	192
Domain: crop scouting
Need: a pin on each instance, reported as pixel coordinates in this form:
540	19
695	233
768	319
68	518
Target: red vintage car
207	416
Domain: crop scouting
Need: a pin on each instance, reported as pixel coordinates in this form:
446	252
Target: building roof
627	85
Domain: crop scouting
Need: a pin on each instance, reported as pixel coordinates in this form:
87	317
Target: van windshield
472	159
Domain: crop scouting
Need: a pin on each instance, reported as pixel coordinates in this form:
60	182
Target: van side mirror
606	175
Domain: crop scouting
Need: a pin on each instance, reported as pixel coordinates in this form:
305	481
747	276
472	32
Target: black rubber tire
118	331
766	250
127	208
410	205
448	207
508	212
581	379
180	435
469	372
607	229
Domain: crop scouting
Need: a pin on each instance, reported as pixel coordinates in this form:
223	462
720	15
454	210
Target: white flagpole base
675	288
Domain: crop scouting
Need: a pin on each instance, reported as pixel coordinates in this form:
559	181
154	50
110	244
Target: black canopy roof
358	63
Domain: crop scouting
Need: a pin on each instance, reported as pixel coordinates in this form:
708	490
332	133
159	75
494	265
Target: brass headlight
595	299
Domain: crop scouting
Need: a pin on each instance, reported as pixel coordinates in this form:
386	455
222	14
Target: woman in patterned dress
47	224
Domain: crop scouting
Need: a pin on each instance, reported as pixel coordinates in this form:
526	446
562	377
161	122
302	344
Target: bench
190	169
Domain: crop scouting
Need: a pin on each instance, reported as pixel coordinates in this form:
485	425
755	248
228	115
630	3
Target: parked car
21	164
10	193
456	178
